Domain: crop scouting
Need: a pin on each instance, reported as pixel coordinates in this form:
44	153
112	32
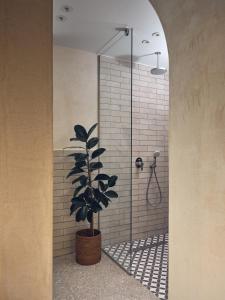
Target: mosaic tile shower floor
147	262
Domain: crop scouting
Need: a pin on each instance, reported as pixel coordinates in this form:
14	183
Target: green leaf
79	215
80	164
87	195
95	206
77	190
89	216
101	197
92	142
97	194
105	202
95	165
97	152
103	186
76	180
74	171
81	133
76	203
79	156
102	177
111	194
84	212
77	199
92	129
83	180
112	181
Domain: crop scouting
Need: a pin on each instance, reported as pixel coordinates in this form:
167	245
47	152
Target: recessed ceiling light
61	18
145	41
156	34
66	8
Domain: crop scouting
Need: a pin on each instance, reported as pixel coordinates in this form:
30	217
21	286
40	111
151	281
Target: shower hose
153	172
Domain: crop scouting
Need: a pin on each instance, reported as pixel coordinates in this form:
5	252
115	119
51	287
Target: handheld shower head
156	154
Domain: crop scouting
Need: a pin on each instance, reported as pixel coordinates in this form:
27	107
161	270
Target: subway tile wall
149	133
150	107
64	225
115	136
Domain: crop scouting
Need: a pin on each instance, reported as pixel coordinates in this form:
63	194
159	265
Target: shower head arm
158	70
153	53
157	60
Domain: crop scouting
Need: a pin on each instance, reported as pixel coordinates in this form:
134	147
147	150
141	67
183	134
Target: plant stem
90	185
92	226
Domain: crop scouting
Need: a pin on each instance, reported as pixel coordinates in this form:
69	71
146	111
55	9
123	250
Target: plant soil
88	232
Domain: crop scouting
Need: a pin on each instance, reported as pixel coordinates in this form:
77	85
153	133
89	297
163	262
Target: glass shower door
115	132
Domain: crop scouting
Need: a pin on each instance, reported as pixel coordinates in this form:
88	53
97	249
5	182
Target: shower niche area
117	76
133	127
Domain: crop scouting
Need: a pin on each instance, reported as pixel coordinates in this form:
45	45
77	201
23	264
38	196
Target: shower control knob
139	163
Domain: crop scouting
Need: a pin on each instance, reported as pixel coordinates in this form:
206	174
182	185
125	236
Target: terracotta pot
88	247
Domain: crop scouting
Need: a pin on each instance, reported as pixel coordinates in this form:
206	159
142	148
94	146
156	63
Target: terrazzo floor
103	281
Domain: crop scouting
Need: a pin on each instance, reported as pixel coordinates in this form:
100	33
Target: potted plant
91	194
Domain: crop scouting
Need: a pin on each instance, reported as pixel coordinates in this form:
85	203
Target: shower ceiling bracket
121	31
126	30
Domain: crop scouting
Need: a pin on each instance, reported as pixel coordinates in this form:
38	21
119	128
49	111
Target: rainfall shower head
158	70
156	154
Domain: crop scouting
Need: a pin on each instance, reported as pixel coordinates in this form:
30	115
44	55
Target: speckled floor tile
103	281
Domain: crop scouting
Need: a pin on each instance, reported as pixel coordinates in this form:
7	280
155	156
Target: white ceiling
91	23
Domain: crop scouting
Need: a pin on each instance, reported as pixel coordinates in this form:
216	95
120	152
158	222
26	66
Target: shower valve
139	163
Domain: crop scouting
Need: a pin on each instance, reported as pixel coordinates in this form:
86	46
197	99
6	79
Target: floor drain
142	248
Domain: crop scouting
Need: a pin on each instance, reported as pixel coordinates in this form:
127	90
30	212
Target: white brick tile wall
150	122
64	225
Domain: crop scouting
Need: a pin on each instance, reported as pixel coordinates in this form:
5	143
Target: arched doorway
133	108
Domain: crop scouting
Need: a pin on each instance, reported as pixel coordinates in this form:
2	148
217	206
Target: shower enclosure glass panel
133	119
115	131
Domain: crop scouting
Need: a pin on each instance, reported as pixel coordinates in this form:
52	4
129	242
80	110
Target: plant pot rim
78	233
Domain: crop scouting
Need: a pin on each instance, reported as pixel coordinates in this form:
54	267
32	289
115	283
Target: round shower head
158	71
156	154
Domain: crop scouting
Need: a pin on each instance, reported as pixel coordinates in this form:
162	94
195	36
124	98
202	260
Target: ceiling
89	24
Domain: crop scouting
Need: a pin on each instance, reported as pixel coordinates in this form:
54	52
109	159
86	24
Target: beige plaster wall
25	150
75	92
196	42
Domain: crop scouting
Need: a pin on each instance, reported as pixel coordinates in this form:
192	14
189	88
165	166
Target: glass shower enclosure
115	132
133	120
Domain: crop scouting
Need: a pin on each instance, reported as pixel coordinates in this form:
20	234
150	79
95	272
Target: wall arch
196	41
